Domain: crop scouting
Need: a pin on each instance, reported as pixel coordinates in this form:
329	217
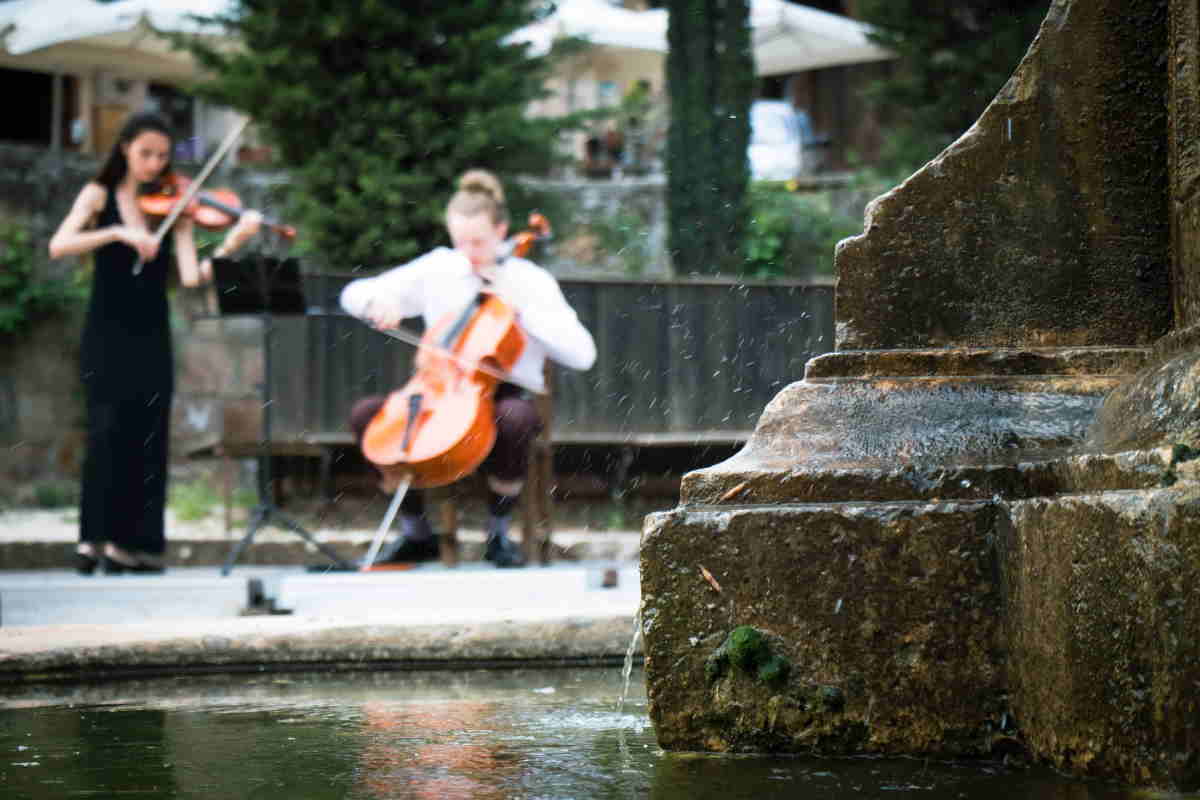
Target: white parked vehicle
776	148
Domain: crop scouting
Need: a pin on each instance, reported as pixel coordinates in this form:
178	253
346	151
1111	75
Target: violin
441	425
214	209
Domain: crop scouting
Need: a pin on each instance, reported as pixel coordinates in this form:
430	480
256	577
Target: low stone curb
91	652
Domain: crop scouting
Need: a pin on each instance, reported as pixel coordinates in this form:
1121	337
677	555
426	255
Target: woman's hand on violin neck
249	223
139	239
251	220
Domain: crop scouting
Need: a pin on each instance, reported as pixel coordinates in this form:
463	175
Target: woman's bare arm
72	237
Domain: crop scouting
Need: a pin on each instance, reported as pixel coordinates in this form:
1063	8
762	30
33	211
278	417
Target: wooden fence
680	362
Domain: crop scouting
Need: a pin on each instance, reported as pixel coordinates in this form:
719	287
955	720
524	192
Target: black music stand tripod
268	286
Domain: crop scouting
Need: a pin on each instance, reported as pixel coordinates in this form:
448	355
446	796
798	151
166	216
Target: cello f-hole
414	411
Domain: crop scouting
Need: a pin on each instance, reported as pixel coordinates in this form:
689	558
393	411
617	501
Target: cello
440	426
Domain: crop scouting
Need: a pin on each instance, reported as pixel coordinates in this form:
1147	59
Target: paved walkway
55	624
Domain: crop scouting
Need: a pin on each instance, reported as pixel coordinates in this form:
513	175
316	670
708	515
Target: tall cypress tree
376	106
710	78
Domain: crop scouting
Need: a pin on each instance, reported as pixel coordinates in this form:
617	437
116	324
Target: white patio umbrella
786	37
793	38
600	23
126	30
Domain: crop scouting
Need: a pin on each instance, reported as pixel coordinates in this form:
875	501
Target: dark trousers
125	472
517	425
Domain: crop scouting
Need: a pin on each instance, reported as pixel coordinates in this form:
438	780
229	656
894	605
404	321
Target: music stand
265	286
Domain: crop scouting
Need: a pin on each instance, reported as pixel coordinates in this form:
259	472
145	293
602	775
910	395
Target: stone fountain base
965	586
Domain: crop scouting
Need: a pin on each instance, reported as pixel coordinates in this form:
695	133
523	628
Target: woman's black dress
128	376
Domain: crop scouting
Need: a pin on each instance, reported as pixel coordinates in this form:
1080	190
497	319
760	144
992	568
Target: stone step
851	434
885	422
974	362
741	481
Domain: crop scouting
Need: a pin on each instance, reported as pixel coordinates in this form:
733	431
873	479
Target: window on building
33	94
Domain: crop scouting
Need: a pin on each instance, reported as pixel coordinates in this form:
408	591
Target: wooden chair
536	501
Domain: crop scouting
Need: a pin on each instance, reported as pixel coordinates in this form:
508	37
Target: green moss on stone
747	647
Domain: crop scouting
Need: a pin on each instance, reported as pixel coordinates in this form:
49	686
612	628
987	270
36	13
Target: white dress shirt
442	281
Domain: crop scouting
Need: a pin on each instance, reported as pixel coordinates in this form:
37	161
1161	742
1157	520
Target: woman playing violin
127	368
442	282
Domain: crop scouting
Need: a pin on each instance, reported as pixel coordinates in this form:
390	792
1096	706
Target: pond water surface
475	734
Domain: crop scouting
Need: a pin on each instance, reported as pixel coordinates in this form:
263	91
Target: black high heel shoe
115	566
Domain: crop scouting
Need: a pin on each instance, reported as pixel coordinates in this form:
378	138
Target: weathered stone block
887	616
1101	624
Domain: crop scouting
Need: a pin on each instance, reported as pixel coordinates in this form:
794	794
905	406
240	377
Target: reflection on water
481	734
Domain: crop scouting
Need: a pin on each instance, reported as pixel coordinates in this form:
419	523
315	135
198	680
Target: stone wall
41	406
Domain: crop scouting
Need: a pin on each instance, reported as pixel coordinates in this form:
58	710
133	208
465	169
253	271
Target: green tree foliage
710	78
955	55
376	106
793	235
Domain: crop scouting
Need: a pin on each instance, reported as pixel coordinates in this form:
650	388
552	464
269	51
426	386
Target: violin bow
194	188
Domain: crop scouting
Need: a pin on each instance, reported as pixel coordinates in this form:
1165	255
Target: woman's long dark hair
116	166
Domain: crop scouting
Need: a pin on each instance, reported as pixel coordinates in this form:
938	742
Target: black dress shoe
503	553
85	563
410	550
